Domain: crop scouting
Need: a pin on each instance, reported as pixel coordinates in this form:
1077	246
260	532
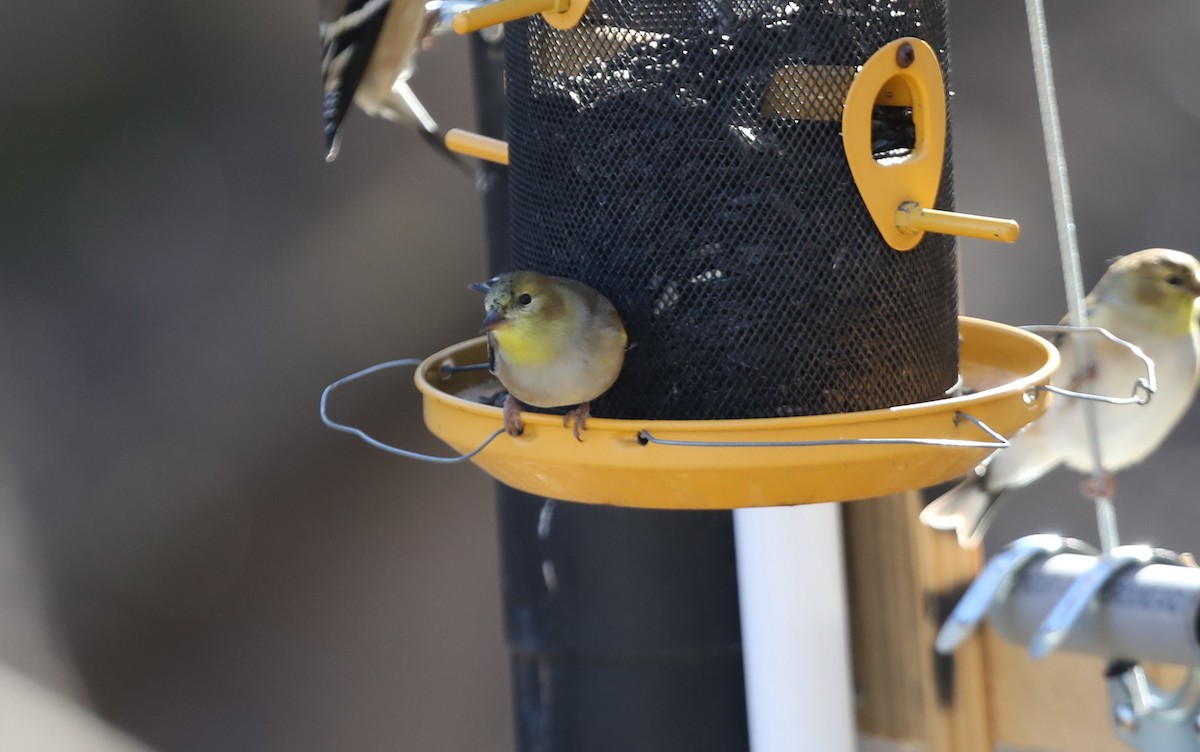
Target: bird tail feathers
967	509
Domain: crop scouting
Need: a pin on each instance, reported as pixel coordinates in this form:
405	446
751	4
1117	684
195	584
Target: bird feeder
722	464
762	190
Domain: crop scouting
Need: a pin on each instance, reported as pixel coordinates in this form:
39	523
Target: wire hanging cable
376	442
1064	218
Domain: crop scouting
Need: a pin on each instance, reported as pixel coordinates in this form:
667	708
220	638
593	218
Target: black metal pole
491	111
622	624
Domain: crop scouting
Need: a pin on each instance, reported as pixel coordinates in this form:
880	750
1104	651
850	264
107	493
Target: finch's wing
349	30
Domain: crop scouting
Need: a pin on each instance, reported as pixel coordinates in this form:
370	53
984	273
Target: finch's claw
1084	376
1104	490
577	419
512	417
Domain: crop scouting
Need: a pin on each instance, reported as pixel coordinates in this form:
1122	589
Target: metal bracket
1144	716
1150	719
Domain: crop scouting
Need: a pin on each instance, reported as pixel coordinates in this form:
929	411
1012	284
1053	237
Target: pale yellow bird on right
1147	298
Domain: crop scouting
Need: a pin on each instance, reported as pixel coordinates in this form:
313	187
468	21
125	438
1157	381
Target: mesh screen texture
686	160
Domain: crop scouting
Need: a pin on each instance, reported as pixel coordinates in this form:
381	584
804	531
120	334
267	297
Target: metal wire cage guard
685	158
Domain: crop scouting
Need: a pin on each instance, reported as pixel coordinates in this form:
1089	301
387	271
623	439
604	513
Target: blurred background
188	554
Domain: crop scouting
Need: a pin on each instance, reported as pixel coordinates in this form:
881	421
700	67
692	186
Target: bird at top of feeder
368	54
552	342
1149	299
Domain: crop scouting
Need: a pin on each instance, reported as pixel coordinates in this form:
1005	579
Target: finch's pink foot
512	417
577	419
1104	490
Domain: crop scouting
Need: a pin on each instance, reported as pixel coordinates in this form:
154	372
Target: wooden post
903	579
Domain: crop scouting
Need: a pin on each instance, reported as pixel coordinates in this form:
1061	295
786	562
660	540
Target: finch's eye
1174	280
524	299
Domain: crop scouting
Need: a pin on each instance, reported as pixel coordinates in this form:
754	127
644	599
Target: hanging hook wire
1154	720
376	442
1143	389
1068	246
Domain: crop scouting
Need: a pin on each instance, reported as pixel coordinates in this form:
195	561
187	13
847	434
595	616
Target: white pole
795	635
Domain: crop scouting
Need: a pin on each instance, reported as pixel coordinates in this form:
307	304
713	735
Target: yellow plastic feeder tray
1001	366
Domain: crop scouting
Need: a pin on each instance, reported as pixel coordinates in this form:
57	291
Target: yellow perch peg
912	218
561	14
475	145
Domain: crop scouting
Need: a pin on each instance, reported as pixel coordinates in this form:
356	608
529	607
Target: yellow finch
1147	298
552	342
368	52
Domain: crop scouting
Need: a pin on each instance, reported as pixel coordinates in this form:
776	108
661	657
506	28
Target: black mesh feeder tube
686	159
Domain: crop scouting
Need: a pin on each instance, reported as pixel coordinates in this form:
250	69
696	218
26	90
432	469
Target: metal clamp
1081	594
996	580
998	442
446	369
1143	388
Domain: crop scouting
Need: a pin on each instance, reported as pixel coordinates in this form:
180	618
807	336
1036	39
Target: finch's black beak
494	320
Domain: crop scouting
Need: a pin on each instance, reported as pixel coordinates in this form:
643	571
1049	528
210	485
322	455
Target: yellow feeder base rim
1001	366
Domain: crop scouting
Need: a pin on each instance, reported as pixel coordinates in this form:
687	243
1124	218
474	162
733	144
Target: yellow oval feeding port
899	192
1001	367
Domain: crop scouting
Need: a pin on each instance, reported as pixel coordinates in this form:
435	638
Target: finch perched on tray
1147	298
552	342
